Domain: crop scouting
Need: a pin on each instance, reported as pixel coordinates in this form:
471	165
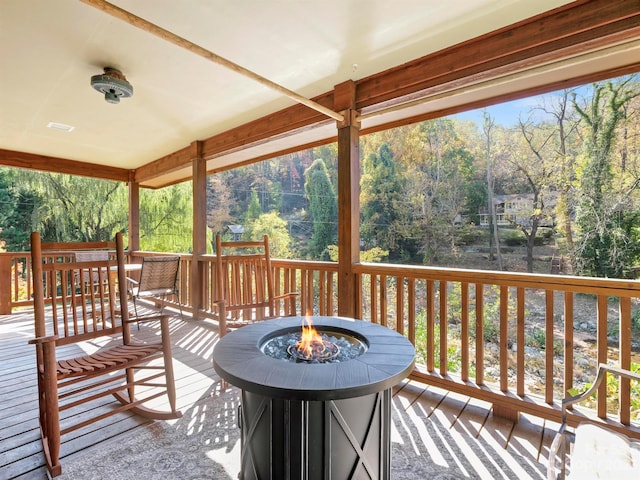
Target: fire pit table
321	415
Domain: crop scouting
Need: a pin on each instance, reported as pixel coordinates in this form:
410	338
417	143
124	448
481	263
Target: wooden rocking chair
245	288
84	306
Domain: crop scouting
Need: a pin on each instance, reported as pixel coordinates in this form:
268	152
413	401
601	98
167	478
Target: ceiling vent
113	84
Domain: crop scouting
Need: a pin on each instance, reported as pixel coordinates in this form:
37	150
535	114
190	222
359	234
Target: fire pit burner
329	347
309	420
320	352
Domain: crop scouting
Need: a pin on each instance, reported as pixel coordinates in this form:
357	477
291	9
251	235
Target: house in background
514	209
236	232
510	210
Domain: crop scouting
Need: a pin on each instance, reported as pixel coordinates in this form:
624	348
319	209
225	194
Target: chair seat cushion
600	453
109	358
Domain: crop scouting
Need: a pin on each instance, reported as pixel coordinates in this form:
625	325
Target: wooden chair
79	316
245	287
158	280
594	450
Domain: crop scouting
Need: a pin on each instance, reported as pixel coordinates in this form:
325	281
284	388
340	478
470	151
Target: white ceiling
49	49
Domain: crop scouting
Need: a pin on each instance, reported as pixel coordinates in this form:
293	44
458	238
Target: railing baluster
520	341
444	323
479	333
411	317
374	298
568	341
400	304
464	330
549	333
504	338
431	313
602	334
383	300
310	293
322	292
624	392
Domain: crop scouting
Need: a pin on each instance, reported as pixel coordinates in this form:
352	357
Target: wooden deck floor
446	426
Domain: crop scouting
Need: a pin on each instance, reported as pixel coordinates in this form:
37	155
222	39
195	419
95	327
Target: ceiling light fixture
113	84
60	126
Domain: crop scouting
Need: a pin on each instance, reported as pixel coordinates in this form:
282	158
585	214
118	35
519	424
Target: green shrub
513	238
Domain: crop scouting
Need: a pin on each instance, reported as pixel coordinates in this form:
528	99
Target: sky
507	114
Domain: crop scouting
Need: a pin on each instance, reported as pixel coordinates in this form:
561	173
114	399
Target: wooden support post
348	200
6	280
199	187
134	215
506	412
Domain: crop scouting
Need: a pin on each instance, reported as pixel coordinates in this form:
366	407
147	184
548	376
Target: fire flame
308	339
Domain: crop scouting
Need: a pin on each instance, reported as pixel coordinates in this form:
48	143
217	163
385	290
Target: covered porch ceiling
399	61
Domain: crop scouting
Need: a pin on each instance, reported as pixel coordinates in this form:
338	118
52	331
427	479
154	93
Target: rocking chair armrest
602	371
42	340
132	281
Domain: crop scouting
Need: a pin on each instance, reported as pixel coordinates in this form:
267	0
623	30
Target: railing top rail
308	264
613	286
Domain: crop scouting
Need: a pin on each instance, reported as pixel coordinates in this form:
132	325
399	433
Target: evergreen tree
254	210
323	208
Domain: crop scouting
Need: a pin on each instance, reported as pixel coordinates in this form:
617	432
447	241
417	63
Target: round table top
238	359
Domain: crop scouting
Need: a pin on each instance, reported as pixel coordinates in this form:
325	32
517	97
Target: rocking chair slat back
245	284
82	298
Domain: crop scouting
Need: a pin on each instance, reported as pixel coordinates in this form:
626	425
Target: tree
605	215
437	187
323	207
384	216
535	163
166	219
17	207
566	125
276	228
218	204
488	129
77	208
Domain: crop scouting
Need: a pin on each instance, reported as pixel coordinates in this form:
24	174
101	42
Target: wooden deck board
445	427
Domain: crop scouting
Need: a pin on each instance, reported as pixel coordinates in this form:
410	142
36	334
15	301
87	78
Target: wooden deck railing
517	340
15	281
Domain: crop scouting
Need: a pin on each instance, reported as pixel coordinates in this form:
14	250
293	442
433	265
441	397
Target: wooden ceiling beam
560	32
282	123
169	163
287	122
45	163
